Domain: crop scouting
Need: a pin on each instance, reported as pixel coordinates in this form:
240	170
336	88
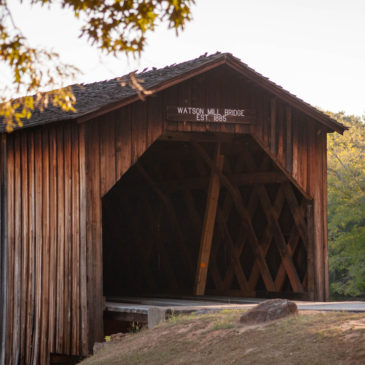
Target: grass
219	338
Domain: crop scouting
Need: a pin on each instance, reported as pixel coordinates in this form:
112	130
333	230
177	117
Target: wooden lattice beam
252	206
273	219
239	246
293	242
296	211
227	206
279	239
235	253
222	286
267	238
292	245
245	218
214	272
241	241
208	226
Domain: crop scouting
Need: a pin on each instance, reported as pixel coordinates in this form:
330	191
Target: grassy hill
219	338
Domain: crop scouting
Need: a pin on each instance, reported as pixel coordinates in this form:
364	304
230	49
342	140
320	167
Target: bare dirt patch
309	338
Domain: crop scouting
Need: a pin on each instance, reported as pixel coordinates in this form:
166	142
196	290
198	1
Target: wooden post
310	252
325	220
3	248
208	226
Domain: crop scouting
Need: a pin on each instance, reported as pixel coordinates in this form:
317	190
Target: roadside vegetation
346	209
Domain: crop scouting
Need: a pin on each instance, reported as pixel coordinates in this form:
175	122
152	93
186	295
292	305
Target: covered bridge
214	184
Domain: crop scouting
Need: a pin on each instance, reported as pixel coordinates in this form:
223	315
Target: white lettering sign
200	114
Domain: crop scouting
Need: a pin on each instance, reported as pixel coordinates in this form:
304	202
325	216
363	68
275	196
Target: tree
114	26
346	207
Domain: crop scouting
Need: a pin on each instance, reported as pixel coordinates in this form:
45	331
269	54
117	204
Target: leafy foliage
346	207
111	25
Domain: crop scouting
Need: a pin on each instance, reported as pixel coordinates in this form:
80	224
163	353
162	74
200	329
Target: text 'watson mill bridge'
215	184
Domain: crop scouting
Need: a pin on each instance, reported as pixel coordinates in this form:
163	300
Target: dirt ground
307	338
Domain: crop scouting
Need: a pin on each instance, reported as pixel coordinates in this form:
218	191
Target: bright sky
313	48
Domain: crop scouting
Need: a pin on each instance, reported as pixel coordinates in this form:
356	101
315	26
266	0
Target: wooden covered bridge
214	184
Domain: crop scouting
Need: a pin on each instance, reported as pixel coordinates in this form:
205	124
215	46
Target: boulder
269	310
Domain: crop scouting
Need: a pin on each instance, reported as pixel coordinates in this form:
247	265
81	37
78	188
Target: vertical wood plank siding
3	246
56	176
46	309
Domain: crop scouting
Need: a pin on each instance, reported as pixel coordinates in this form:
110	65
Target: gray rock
269	311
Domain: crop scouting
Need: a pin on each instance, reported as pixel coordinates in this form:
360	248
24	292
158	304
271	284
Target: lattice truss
260	238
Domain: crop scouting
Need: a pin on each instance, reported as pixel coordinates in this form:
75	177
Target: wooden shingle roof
101	97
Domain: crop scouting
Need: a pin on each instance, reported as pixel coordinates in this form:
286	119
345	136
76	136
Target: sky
314	48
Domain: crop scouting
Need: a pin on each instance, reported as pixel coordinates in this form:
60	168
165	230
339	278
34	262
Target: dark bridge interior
153	218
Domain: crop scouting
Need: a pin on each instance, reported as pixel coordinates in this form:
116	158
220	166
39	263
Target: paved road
189	304
333	306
